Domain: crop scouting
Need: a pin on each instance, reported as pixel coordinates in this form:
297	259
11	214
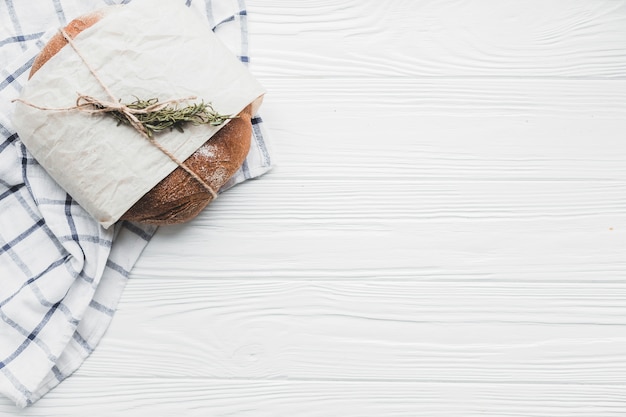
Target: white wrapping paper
138	50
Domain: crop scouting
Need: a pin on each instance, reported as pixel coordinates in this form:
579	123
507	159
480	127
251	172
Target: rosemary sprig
171	117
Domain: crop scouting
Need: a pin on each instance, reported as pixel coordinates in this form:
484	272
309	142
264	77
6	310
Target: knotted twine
92	105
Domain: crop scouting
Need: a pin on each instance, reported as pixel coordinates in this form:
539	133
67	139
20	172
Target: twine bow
92	105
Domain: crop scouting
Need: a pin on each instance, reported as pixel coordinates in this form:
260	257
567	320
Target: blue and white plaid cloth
61	274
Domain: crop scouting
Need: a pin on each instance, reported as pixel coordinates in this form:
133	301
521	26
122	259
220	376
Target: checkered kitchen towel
61	274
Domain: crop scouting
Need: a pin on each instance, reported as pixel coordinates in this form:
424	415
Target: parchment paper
137	50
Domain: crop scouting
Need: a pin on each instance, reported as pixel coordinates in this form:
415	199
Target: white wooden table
444	233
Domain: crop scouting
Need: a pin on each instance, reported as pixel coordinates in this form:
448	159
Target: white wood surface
444	233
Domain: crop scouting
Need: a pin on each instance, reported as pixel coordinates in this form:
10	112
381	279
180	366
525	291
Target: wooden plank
447	38
485	332
192	397
321	99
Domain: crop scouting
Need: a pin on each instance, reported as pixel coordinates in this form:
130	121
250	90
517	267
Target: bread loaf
178	197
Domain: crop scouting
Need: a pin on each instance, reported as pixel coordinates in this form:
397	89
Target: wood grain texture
201	397
444	233
369	331
440	38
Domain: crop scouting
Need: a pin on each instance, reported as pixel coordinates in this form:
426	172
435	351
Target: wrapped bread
157	191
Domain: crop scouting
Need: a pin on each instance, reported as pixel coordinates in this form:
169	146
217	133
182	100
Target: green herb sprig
171	116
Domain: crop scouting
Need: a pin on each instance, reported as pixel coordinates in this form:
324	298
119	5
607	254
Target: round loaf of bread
178	197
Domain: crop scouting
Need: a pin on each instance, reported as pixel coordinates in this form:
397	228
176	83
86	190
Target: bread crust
57	42
178	197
